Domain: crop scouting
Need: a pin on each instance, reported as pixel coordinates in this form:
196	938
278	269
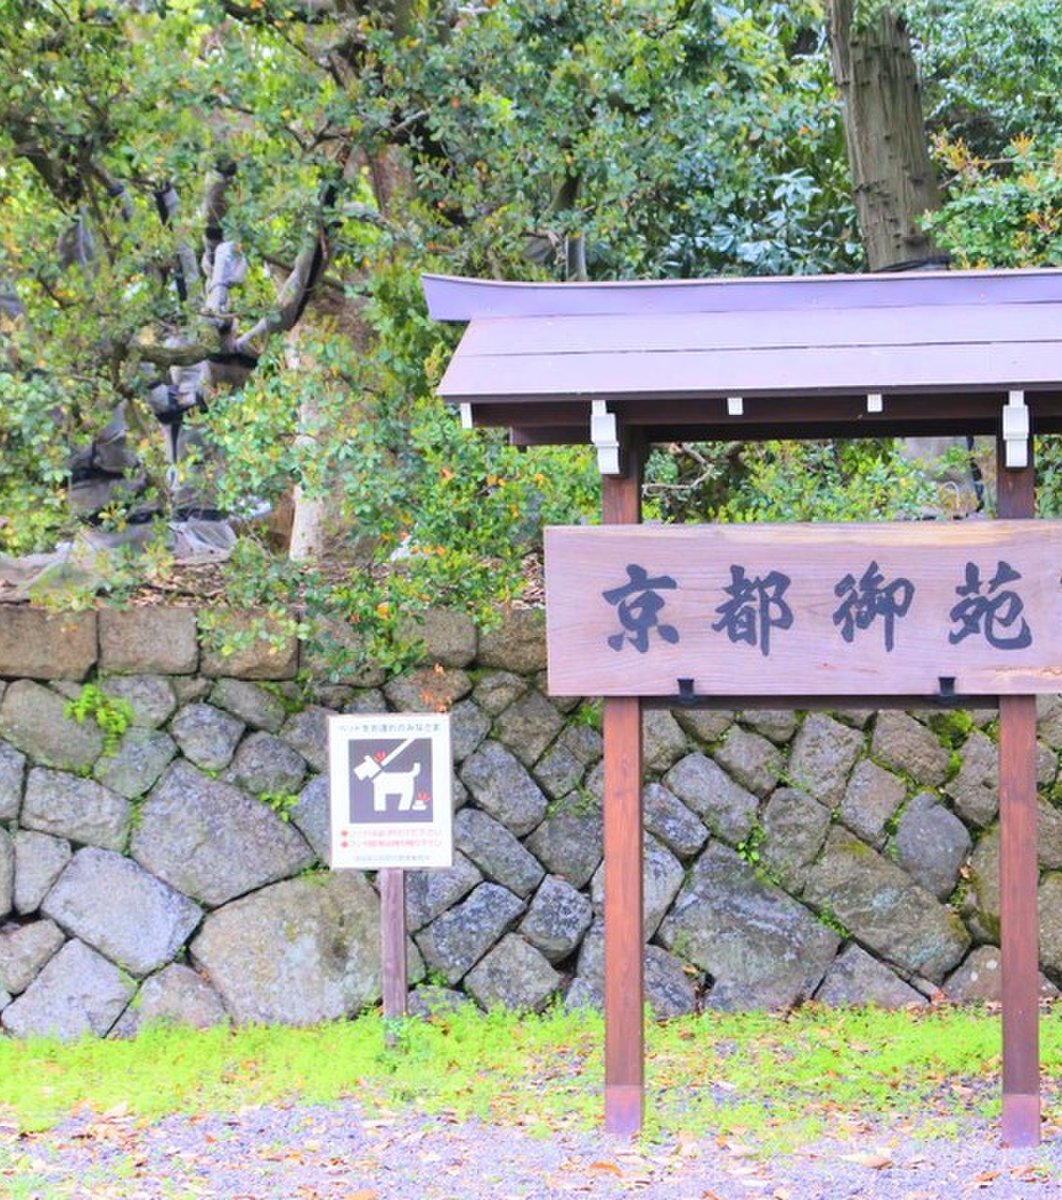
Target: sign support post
622	730
395	982
1018	872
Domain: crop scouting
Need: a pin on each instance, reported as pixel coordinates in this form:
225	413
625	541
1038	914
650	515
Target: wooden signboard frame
627	365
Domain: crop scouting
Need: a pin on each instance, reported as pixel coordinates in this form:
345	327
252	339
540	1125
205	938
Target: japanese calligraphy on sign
390	781
810	610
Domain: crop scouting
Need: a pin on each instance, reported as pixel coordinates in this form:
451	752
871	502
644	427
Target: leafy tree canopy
219	210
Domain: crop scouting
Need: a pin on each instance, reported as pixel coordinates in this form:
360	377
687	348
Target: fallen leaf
362	1194
605	1168
875	1162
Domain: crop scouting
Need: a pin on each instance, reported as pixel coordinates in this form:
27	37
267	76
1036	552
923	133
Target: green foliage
749	847
952	726
788	481
780	1082
282	803
112	714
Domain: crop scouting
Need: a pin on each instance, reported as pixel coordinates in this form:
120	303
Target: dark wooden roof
942	350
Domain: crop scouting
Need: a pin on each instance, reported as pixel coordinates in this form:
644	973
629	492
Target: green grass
769	1079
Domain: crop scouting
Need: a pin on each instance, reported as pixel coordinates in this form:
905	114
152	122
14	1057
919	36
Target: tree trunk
893	181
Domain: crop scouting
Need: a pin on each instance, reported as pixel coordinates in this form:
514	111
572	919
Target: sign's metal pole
622	728
393	945
1018	874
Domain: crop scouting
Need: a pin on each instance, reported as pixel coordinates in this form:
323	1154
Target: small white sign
391	780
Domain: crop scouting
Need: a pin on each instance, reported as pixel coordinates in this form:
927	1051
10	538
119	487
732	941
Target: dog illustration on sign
385	784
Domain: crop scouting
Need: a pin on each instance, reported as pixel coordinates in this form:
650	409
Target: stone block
980	907
82	810
39	861
266	765
267	650
496	690
299	952
703	786
975	789
517	644
662	876
823	755
250	703
663	742
856	978
12	776
707	725
569	841
307	732
38	645
1049	904
752	760
207	736
159	641
431	1000
455	941
670	983
112	904
872	797
7	873
884	908
212	841
497	853
448	638
671	821
528	726
430	893
778	724
177	995
904	744
24	949
562	768
762	948
77	992
33	720
151	697
794	827
469	725
979	979
427	690
513	975
557	919
135	766
503	788
1049	720
312	816
190	688
931	844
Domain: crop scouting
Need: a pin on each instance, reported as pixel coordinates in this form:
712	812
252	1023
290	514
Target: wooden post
393	944
1018	874
622	727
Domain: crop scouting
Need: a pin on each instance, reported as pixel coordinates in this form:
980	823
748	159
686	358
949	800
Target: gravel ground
308	1152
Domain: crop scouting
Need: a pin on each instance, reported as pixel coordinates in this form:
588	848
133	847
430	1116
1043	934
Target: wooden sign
390	779
805	610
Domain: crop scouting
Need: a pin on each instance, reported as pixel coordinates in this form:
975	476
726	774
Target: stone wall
848	857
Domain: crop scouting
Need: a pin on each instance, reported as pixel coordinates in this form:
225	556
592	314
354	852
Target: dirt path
338	1153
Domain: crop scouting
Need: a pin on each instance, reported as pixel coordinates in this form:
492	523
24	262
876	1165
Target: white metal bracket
735	406
466	416
604	433
1016	432
875	402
